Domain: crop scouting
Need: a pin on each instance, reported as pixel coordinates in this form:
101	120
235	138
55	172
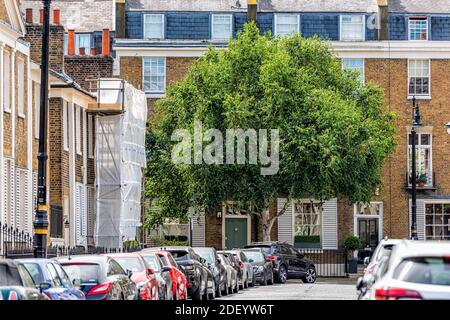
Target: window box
307	242
427	187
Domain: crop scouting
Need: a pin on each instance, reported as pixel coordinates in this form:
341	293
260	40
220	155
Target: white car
415	270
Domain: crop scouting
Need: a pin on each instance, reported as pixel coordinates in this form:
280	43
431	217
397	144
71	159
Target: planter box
352	265
307	245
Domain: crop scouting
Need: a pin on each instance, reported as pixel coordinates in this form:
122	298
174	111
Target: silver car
248	280
415	270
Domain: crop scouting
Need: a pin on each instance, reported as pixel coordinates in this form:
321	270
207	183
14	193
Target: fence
329	263
16	244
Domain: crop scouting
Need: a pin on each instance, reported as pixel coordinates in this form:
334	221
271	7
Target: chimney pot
105	42
41	16
29	15
71	42
82	51
93	51
57	16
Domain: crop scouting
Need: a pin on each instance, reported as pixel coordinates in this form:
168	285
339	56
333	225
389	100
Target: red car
179	282
143	277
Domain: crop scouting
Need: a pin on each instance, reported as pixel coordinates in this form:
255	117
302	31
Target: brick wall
21	140
55	147
56	46
82	68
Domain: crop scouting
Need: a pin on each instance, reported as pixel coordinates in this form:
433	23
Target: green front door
235	233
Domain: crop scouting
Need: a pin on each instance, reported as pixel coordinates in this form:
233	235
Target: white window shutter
285	222
329	225
77	215
5	177
28	207
83	214
198	229
420	218
91	212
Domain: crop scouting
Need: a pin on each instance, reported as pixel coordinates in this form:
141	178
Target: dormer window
154	26
287	24
418	28
352	28
221	27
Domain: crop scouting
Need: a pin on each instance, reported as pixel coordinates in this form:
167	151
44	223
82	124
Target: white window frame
418	19
418	146
363	73
7	82
78	142
379	216
21	88
428	202
162	35
90	135
295	213
65	120
341	38
37	108
420	96
230	17
279	15
154	93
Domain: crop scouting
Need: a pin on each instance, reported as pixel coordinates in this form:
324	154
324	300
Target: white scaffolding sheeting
120	158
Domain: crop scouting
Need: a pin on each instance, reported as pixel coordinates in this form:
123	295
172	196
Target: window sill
155	95
424	188
7	110
21	115
420	97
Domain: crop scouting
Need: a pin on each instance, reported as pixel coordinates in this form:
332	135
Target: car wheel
282	274
253	281
264	282
310	276
198	294
212	296
246	283
218	291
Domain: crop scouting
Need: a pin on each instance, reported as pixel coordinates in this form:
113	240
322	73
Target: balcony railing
427	187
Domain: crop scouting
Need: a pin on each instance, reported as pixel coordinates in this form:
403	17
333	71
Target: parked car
177	274
16	283
50	272
235	264
143	277
262	266
418	270
217	269
247	280
162	274
200	280
232	277
99	277
383	250
288	261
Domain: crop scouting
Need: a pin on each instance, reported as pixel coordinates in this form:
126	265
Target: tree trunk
268	222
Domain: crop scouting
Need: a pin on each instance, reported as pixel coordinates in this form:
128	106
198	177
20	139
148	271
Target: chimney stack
57	16
29	15
41	16
105	42
71	42
252	10
383	30
120	19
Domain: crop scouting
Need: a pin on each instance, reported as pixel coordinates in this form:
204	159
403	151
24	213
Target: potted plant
352	244
422	180
310	242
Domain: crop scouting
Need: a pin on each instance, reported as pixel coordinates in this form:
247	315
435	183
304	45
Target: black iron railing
329	263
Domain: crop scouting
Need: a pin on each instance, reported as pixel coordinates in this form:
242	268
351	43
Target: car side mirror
129	273
166	269
44	286
366	261
150	271
359	283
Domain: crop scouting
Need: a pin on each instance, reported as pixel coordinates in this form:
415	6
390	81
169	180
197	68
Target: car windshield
254	255
424	270
35	271
180	255
130	263
84	273
208	255
151	261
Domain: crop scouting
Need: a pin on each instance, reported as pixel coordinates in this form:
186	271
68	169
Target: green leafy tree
335	133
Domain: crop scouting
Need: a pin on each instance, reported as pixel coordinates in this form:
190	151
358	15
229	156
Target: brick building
401	45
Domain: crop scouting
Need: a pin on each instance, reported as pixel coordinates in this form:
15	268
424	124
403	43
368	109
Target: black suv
287	261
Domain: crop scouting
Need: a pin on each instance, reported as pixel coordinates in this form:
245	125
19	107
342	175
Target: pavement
322	289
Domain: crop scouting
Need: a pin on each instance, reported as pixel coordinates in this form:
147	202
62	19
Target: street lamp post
40	222
416	123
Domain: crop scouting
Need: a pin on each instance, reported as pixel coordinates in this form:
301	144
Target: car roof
94	258
122	255
415	248
34	260
391	241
